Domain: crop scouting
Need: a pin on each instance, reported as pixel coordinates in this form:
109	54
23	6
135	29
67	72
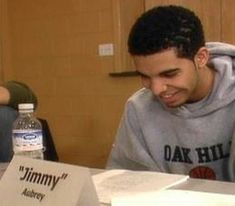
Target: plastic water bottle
27	133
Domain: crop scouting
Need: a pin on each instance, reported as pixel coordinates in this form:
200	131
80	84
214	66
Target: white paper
125	182
175	197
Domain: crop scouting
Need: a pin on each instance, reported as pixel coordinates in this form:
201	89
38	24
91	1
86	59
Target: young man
11	94
183	120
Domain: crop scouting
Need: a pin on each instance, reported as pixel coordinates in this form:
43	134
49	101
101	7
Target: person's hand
4	96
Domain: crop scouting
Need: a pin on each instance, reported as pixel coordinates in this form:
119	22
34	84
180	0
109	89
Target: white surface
175	197
125	182
30	182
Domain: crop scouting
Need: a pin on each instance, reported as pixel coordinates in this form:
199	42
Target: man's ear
202	56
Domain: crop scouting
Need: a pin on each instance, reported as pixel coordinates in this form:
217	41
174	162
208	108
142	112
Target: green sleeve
20	93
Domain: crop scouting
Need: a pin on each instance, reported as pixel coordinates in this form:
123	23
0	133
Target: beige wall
52	46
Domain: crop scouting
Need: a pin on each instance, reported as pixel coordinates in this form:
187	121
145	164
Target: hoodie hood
219	48
222	59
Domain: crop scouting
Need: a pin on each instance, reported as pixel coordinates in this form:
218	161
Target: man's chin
173	104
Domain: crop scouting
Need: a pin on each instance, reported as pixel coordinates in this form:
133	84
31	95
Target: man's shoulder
141	94
7	116
143	98
6	109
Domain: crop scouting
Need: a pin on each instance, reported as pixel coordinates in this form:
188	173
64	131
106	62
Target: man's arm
129	150
7	117
12	93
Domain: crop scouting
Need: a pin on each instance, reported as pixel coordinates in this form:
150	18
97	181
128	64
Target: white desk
190	184
3	167
207	186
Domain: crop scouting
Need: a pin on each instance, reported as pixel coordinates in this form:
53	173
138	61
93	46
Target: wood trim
125	13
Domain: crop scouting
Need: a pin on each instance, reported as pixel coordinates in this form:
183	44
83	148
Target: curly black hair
166	27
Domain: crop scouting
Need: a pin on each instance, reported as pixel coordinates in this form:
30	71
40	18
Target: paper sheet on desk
175	197
125	182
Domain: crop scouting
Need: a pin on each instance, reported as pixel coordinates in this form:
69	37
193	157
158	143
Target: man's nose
157	86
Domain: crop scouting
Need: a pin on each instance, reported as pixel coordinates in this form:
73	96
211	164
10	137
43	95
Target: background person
11	94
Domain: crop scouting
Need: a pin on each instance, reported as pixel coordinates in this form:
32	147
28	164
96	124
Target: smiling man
182	120
175	80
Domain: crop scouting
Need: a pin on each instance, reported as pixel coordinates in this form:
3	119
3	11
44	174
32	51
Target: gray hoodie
193	139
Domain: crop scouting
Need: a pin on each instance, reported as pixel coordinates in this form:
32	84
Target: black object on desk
50	152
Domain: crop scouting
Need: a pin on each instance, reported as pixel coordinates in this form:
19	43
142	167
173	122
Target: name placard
38	182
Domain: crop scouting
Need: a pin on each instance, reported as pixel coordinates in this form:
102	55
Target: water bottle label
27	140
